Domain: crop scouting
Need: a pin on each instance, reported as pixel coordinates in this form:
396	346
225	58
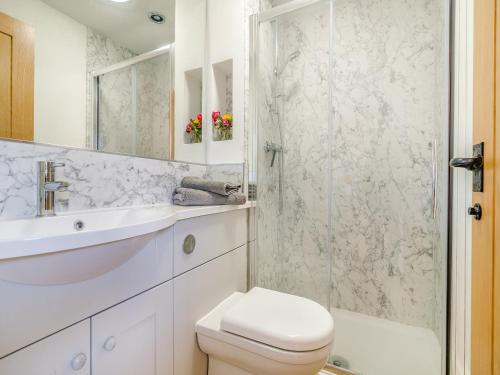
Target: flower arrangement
223	126
194	129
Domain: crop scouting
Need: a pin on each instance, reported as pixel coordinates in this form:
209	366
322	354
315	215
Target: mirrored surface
95	74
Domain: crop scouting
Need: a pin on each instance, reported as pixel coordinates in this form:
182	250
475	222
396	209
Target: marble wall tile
389	92
153	107
231	173
103	52
269	268
384	99
302	102
98	180
134	103
117	113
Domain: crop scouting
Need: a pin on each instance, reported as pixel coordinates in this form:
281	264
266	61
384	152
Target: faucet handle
53	164
59	186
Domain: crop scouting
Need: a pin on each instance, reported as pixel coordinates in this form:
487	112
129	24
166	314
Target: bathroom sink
27	237
75	247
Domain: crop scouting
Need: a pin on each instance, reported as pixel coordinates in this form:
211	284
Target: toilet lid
281	320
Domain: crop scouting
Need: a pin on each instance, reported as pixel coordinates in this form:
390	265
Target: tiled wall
98	180
389	104
103	52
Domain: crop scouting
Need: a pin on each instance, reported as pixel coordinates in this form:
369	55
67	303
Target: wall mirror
119	76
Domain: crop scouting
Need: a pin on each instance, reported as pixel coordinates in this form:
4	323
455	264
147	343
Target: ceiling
125	23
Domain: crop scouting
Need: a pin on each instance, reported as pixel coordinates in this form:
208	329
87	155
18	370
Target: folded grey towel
218	187
193	197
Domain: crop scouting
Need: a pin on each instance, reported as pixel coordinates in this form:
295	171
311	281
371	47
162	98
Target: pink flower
198	125
225	122
189	128
200	117
215	116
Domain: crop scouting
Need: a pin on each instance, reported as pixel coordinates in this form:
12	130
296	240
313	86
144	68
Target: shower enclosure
349	157
132	105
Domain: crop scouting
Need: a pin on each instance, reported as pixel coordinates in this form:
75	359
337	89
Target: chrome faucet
47	187
274	148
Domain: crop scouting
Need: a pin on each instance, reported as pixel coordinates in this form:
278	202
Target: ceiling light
156	17
120	1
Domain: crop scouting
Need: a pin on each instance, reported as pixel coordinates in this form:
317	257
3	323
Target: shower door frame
255	20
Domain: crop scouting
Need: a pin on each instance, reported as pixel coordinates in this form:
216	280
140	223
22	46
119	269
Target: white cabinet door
65	353
196	293
135	337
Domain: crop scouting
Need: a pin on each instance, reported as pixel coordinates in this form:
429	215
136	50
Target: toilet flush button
189	244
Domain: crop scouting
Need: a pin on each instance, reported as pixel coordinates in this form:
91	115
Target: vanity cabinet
135	337
65	353
138	319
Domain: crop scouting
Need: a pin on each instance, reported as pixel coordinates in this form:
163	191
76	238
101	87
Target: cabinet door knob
189	244
79	362
109	344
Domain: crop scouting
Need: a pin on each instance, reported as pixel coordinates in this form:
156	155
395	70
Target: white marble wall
386	64
269	269
103	52
302	102
153	107
389	96
98	180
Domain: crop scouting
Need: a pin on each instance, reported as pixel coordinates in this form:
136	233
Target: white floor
372	346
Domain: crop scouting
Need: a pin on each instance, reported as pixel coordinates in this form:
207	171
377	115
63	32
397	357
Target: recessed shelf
222	100
194	103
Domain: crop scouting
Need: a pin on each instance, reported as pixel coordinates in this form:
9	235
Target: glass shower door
351	144
293	242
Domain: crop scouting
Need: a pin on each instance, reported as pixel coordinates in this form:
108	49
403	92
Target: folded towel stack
195	191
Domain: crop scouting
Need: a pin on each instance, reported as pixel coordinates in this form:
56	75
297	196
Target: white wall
189	56
226	41
60	71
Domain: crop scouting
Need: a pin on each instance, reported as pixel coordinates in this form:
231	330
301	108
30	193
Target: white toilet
264	332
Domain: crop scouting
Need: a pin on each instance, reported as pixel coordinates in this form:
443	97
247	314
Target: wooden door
136	336
16	79
65	353
485	288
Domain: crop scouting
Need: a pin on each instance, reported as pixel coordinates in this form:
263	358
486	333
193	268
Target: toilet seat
252	336
280	320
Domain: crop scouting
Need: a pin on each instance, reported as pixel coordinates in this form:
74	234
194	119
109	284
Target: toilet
264	332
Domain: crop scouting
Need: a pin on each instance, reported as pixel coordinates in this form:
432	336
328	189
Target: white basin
52	251
28	237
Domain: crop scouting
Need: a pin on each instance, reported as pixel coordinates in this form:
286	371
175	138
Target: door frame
485	281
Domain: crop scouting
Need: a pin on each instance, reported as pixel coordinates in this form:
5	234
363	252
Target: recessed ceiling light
120	1
156	17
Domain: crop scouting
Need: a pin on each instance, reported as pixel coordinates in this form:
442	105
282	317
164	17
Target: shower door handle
434	178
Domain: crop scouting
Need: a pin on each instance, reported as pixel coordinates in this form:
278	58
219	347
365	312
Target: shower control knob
476	211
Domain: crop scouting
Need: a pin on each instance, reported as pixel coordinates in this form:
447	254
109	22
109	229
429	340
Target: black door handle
474	164
471	164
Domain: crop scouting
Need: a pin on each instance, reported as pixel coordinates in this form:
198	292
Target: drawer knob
109	344
189	244
79	362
